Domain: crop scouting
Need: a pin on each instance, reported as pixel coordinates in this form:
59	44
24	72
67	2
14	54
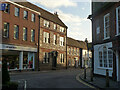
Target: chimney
55	13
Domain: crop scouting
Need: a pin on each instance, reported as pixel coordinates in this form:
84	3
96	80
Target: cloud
83	8
76	25
55	3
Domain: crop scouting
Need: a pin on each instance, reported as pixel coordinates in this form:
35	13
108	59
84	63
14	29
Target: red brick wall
12	20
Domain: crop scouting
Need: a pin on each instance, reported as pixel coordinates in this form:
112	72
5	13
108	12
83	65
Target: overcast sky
73	14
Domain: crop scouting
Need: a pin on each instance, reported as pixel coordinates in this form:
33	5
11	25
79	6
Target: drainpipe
66	49
38	44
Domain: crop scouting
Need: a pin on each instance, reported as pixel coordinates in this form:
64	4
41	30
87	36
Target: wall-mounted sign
18	48
2	6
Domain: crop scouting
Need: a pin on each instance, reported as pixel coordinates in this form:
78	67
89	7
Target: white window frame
55	27
55	39
25	33
61	29
46	57
107	57
25	14
32	35
6	30
7	8
106	37
33	17
16	31
117	22
46	37
17	11
46	23
61	41
62	60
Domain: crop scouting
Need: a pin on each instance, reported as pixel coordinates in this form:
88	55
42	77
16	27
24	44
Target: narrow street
50	79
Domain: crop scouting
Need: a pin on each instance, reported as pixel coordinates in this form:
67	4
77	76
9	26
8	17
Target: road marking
77	78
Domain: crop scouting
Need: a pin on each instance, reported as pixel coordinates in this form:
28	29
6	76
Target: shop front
18	57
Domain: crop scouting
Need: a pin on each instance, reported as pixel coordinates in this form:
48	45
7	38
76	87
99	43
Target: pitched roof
76	43
45	14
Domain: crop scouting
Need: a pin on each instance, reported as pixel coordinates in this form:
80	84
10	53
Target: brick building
77	53
26	26
106	38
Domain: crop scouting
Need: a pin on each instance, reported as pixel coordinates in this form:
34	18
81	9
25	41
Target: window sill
105	68
15	38
16	16
117	35
5	37
106	38
24	40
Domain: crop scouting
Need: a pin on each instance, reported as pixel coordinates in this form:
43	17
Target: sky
73	13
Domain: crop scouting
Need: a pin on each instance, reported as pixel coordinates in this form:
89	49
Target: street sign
2	6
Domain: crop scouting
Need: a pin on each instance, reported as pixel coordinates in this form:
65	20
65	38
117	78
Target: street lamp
92	62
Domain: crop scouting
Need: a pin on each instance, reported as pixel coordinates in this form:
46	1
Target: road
49	79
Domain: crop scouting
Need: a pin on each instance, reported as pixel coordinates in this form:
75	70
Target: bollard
25	86
84	72
107	78
91	75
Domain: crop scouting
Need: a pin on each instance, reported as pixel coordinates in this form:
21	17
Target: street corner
79	79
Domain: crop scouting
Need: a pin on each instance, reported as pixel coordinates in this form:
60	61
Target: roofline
23	6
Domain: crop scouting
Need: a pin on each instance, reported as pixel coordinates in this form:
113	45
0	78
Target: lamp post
92	62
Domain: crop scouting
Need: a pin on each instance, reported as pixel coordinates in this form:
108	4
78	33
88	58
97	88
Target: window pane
25	34
33	17
100	59
7	8
106	29
110	58
32	35
16	11
6	30
16	30
25	15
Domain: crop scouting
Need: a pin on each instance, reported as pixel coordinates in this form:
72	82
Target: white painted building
86	58
103	59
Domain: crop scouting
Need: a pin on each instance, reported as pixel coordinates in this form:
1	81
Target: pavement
99	81
50	79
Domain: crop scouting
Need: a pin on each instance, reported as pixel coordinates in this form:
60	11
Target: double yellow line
81	81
